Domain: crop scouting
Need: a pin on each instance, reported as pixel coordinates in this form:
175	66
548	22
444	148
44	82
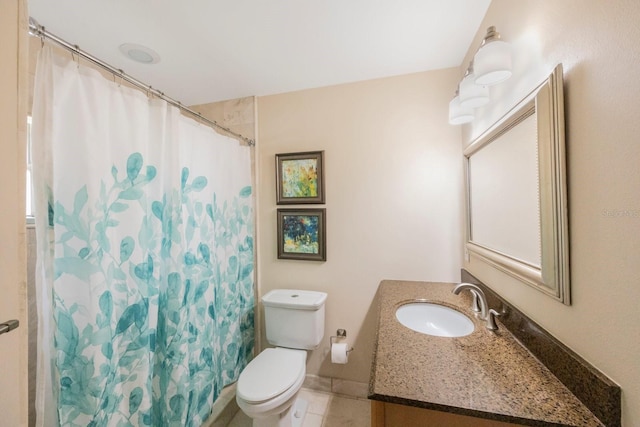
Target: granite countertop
486	374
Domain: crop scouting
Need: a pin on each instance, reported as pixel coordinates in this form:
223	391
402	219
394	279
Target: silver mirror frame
552	276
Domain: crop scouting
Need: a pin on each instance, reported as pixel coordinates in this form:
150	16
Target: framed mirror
517	192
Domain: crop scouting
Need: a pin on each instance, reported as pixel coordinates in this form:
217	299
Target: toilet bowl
267	389
269	385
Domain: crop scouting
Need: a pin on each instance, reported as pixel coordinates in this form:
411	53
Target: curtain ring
73	58
41	29
121	77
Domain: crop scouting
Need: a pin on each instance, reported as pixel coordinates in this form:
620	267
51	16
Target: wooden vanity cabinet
384	414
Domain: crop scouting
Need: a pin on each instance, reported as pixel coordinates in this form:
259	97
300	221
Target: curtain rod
37	30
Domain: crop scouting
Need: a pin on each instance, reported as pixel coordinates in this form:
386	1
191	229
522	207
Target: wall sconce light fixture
493	59
490	65
472	95
457	113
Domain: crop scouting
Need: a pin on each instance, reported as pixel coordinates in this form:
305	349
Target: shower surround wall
33	320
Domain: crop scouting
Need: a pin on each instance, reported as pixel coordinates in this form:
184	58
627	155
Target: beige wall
13	122
598	44
393	170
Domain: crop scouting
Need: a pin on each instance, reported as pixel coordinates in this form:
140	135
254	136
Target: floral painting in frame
301	234
300	178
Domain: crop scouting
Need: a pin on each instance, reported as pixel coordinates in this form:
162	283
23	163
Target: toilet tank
294	318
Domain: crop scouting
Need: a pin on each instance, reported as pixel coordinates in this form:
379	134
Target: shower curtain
144	224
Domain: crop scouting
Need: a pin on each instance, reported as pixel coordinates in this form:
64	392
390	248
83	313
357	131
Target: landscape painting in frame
300	178
301	234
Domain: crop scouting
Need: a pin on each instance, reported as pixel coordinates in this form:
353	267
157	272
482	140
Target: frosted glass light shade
471	94
492	63
457	114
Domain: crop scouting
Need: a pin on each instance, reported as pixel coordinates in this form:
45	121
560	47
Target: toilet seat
271	374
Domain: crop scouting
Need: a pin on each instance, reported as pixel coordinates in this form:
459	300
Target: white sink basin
434	319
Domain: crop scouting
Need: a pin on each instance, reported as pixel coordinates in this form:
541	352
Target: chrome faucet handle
475	305
479	299
491	320
479	304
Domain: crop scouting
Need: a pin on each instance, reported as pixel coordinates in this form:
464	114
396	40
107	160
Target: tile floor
325	410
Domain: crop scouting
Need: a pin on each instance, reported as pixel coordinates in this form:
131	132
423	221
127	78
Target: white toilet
267	389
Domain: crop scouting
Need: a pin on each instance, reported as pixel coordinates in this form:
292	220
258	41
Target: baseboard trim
348	388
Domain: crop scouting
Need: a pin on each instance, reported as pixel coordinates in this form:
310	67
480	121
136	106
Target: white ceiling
213	50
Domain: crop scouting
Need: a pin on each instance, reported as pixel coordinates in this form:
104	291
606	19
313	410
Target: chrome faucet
479	304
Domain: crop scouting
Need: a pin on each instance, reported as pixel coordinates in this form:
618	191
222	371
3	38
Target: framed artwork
301	234
300	178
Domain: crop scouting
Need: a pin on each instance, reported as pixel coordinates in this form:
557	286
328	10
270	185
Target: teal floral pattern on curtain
144	277
174	324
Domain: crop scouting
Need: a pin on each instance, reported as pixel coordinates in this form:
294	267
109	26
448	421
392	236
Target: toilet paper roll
339	353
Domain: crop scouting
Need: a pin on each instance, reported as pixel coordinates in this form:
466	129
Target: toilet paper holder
340	333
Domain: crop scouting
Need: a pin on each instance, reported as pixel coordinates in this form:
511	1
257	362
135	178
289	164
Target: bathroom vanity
487	378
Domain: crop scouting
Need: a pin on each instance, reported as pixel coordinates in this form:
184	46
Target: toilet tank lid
296	299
